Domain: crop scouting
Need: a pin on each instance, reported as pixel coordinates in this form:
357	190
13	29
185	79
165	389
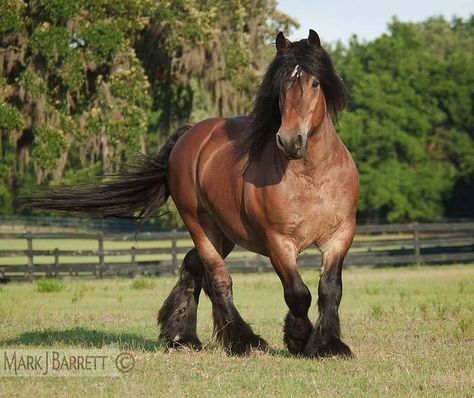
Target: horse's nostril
299	141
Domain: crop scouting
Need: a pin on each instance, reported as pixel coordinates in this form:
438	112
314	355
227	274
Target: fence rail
152	253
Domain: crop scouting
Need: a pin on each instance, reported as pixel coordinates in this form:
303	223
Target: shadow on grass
90	338
86	338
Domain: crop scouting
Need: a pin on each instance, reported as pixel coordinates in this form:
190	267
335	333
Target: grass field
411	329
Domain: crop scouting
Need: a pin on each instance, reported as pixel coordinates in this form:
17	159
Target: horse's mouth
295	156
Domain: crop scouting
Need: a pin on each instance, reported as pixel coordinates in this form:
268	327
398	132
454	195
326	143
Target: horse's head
308	90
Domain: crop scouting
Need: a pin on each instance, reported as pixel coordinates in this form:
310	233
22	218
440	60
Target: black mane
265	117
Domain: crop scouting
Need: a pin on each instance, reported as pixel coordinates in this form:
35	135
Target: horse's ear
282	43
313	39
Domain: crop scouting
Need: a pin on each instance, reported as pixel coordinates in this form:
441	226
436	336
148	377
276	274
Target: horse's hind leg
229	327
178	315
326	337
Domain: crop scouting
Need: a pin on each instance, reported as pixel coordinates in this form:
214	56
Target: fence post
416	243
29	242
259	262
56	262
132	254
174	250
101	254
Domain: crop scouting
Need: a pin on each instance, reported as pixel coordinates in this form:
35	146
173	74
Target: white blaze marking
295	71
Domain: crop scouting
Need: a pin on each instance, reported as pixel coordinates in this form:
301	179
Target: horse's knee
217	284
298	299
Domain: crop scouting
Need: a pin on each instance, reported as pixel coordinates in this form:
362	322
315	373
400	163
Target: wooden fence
99	255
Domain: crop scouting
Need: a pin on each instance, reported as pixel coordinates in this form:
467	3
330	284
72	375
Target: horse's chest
303	209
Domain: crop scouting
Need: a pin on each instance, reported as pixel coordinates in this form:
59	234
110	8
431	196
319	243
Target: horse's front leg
298	327
326	337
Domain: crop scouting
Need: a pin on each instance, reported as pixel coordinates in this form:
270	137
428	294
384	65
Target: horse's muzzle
294	147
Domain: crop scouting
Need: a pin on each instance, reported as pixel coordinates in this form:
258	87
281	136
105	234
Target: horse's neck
322	144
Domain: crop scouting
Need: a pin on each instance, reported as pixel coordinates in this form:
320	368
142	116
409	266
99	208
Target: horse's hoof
182	344
296	333
261	348
256	346
333	348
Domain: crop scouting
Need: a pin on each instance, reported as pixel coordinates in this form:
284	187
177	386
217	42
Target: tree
205	58
409	123
87	84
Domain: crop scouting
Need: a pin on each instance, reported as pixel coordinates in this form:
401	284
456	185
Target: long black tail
138	192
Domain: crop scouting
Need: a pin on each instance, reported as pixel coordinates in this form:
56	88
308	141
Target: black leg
326	337
297	327
229	328
178	315
213	247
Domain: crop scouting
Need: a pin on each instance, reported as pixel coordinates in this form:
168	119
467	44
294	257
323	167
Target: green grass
411	329
143	283
49	285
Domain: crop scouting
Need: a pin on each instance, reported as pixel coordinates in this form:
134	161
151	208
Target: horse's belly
244	239
226	211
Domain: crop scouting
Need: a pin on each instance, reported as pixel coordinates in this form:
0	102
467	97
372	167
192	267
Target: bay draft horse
274	182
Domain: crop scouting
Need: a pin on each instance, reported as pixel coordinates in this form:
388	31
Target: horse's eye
315	83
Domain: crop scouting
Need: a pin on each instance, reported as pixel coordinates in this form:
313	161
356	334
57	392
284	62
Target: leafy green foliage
91	83
10	117
49	146
6	197
77	84
409	124
12	19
